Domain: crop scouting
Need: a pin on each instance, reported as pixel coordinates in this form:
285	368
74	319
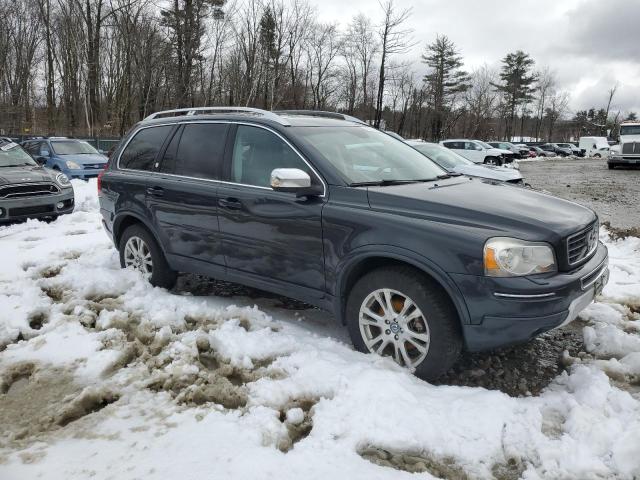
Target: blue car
74	158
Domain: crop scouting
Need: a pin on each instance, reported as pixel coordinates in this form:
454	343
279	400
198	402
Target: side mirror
293	180
44	153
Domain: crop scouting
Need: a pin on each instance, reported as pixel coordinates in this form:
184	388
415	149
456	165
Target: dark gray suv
330	211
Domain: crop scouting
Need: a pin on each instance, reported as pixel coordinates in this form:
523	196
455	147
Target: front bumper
506	311
17	209
83	174
624	160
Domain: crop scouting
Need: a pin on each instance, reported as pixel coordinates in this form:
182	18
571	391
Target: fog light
1	212
60	205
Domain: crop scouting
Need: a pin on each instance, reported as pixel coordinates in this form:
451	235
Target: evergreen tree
518	84
445	79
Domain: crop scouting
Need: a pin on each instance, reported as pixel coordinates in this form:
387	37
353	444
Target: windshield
442	156
363	154
12	155
484	145
72	147
629	129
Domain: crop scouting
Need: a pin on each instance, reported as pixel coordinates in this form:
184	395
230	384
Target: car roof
283	118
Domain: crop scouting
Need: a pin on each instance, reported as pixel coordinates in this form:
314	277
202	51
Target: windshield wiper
382	183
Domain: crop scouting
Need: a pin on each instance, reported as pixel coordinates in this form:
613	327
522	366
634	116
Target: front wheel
400	313
140	251
597	155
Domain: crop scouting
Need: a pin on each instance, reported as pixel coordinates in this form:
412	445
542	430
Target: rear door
182	196
267	235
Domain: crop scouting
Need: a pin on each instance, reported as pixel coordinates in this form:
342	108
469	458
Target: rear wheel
400	313
141	252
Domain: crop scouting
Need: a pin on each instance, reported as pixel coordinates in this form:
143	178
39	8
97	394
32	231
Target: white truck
627	151
596	147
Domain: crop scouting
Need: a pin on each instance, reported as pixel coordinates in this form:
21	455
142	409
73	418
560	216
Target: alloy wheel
138	256
391	324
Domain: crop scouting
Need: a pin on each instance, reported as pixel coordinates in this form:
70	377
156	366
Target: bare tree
394	39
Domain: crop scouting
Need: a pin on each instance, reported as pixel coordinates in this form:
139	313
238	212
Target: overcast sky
589	44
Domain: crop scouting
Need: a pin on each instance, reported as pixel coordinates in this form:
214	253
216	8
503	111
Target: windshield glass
442	156
629	129
12	155
72	147
484	145
363	154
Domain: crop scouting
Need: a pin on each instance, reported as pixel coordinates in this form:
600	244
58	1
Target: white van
596	147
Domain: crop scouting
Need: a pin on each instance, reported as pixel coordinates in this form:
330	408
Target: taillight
101	174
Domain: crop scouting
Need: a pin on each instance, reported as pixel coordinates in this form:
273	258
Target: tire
611	166
597	155
492	161
159	274
444	339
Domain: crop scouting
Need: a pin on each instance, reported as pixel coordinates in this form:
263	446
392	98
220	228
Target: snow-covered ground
103	376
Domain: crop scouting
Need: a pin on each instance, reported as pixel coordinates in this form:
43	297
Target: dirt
613	194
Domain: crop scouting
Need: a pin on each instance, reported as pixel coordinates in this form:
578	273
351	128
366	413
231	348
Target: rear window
198	152
142	150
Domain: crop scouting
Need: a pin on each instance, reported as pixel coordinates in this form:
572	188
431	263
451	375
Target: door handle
230	203
155	191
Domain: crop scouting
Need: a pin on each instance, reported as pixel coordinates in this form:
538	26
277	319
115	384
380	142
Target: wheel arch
125	220
369	260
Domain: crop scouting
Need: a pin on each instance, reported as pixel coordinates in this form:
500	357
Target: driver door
268	235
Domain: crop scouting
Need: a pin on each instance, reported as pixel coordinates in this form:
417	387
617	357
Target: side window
44	147
144	147
470	146
200	152
257	152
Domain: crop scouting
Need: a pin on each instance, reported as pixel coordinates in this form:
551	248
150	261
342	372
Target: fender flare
422	263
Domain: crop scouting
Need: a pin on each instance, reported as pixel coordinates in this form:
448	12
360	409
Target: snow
291	397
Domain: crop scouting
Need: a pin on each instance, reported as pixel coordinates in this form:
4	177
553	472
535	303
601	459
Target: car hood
27	174
89	159
474	203
489	171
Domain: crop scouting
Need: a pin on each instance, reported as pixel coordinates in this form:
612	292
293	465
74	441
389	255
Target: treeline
95	67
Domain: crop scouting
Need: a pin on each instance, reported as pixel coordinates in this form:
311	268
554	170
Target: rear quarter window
141	152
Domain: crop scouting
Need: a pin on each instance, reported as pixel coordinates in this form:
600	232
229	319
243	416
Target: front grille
28	190
94	167
35	210
582	244
631	148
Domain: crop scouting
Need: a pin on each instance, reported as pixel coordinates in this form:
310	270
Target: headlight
510	257
63	180
73	165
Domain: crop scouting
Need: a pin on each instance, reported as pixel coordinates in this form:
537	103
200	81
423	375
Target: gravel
613	194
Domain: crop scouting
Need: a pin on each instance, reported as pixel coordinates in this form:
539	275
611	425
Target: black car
557	149
342	216
28	190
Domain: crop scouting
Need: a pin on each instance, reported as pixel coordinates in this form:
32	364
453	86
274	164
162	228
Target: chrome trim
525	297
325	187
587	232
26	194
194	111
602	266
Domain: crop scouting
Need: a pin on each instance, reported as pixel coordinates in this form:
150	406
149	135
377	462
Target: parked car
627	152
418	264
575	151
74	158
556	149
28	190
454	163
476	151
597	147
543	153
519	152
525	150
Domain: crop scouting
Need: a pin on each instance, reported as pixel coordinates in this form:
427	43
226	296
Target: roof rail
197	110
322	114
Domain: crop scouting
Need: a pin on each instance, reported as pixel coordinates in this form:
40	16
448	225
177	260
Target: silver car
452	162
